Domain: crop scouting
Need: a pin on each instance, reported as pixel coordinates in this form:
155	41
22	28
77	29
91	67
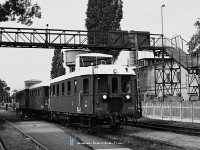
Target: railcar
22	97
97	92
39	99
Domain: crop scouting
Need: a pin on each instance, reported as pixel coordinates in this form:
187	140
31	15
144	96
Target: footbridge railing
51	38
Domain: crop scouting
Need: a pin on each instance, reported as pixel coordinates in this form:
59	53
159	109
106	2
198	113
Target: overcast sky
17	65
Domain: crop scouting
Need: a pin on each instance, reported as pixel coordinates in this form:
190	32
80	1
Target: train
96	92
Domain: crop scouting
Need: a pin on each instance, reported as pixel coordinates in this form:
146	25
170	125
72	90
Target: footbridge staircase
176	54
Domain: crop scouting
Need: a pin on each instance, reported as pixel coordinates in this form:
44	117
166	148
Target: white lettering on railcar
131	108
99	108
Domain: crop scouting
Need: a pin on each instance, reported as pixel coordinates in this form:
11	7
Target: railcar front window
126	84
103	84
114	85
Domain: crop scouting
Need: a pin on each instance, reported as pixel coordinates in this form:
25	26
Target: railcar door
115	101
85	97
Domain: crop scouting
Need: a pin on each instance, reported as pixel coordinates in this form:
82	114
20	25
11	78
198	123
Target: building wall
147	84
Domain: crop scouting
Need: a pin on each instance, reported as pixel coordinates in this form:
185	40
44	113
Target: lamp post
162	17
163	64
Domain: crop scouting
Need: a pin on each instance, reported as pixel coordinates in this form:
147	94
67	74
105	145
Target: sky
18	65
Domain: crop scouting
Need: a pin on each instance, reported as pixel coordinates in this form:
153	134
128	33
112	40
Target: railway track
164	127
37	144
132	142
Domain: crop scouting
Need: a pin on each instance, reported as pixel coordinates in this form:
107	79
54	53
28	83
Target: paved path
54	138
44	133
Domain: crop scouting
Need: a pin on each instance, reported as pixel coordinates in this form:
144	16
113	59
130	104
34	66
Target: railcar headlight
104	96
128	97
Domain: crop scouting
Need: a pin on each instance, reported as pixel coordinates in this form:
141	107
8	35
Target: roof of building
94	55
45	83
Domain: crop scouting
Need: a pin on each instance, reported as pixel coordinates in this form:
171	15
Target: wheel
114	128
67	123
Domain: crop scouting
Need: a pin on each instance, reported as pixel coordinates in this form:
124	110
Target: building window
167	80
86	86
69	88
179	76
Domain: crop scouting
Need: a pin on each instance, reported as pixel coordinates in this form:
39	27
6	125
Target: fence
188	111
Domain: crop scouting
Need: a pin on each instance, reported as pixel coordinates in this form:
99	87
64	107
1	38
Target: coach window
75	86
63	89
57	90
33	93
54	91
69	88
46	92
114	85
86	86
51	91
38	92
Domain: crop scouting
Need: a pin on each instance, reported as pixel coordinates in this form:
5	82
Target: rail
166	127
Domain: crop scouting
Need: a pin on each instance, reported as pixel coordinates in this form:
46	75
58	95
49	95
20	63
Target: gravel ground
132	142
14	140
180	140
174	123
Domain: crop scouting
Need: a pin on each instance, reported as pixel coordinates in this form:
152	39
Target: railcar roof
100	69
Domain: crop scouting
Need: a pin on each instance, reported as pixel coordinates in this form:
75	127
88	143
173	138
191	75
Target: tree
57	68
103	15
4	90
21	10
194	42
